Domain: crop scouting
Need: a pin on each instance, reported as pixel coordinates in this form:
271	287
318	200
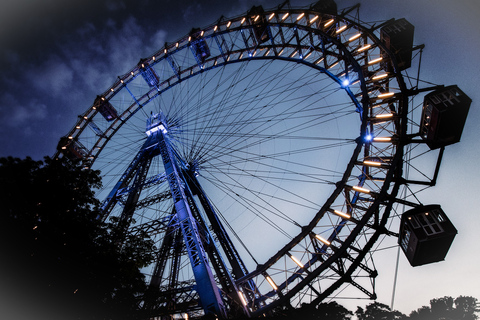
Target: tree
378	311
58	259
333	311
465	308
444	309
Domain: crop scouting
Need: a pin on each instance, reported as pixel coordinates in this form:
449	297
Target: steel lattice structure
274	153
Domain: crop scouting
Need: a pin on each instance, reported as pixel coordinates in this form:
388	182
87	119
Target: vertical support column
207	289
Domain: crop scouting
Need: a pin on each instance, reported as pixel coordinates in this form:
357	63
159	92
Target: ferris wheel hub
156	122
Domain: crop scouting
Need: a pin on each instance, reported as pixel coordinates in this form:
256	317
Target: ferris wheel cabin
443	117
397	37
426	234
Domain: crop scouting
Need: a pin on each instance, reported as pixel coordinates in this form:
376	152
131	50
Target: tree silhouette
58	260
332	311
378	311
444	309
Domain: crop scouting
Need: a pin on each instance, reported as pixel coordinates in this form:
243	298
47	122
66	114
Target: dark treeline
59	261
445	308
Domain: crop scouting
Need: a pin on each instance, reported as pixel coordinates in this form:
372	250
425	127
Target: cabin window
429	223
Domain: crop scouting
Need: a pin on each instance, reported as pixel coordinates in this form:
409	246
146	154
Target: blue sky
56	58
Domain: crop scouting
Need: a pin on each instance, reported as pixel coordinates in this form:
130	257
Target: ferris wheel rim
395	164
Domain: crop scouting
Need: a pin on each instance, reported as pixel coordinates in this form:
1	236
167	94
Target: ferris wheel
266	154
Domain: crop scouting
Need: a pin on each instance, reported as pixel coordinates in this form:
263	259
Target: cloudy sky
55	58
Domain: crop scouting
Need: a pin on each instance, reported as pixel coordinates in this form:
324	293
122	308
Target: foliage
446	308
378	311
57	257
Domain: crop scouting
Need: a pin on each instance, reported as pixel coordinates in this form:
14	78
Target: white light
256	18
243	20
384	116
386	95
345	82
365	47
341	214
355	37
329	23
368	137
271	16
296	261
300	16
322	240
157	128
229	24
375	61
240	294
274	286
333	65
372	163
360	189
380	76
313	19
341	29
285	16
382	139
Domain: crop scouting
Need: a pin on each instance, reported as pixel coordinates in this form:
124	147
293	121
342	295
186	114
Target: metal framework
167	186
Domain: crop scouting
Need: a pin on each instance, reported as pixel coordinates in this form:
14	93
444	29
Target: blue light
345	82
368	137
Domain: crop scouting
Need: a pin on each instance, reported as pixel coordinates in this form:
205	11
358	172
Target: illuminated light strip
281	51
372	163
341	214
229	24
256	18
297	261
202	33
384	116
293	54
243	20
242	298
274	286
386	95
285	16
318	61
300	16
341	29
308	54
355	37
267	53
313	19
382	139
271	16
380	76
333	65
375	61
329	23
365	47
360	189
214	29
322	240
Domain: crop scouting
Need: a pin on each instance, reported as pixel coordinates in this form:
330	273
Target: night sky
55	58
